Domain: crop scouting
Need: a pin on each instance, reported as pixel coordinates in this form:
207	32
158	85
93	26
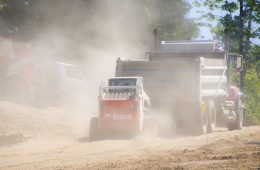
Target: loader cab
122	82
124	87
126	81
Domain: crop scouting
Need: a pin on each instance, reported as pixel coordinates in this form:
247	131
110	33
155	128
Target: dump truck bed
173	76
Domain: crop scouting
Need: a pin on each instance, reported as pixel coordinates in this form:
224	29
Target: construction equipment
123	107
189	84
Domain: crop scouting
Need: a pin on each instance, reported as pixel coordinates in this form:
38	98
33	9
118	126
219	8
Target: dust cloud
92	35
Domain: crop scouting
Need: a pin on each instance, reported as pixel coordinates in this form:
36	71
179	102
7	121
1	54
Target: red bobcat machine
122	108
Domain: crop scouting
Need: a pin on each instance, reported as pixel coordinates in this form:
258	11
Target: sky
205	31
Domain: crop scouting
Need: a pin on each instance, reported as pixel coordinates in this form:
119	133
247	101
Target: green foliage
230	7
252	91
23	18
238	17
2	5
13	15
252	87
212	4
170	17
230	18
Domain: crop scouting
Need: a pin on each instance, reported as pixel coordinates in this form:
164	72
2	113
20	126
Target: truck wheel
211	111
195	123
237	125
203	119
197	126
93	129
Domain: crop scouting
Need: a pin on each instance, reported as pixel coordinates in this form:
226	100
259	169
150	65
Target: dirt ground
51	139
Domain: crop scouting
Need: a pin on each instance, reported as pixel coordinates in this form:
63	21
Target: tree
13	15
25	18
238	19
242	19
170	16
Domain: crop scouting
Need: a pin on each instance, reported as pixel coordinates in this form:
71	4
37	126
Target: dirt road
49	147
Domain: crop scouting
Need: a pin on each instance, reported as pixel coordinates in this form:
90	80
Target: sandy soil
48	139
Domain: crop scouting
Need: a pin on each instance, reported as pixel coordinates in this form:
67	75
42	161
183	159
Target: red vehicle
122	108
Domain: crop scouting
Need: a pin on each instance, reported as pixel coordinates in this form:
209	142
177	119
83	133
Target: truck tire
94	129
195	122
238	123
211	111
202	123
196	127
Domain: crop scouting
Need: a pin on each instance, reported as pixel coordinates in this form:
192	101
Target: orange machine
122	108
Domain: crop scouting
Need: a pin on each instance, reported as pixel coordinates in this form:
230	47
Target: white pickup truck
52	83
62	82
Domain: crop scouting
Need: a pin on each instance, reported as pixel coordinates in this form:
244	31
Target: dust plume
92	35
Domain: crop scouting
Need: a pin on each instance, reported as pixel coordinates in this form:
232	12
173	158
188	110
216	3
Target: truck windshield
73	73
122	82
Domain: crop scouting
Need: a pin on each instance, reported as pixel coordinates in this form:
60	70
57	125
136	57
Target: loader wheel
93	129
237	125
211	111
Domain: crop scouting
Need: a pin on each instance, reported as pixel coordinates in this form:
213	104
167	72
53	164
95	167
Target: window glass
73	72
122	82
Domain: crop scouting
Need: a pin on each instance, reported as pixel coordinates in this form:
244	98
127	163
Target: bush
252	94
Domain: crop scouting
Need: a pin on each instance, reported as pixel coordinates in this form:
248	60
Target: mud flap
192	121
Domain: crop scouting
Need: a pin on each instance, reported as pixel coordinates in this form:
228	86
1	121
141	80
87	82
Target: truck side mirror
239	63
236	62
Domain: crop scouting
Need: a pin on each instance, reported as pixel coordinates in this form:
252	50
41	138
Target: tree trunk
248	35
241	42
